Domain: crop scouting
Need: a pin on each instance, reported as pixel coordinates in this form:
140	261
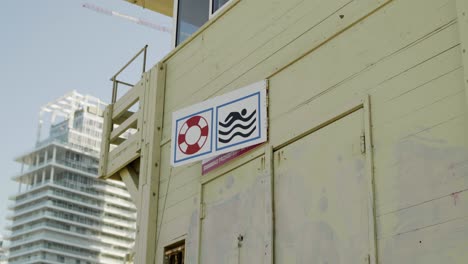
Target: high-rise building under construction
62	213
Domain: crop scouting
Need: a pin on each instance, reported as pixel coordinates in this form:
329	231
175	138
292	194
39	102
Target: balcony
23	256
76	242
18	229
81	166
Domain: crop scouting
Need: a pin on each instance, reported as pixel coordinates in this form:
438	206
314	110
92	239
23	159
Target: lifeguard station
366	157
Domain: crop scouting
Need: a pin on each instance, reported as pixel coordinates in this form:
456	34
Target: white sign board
219	125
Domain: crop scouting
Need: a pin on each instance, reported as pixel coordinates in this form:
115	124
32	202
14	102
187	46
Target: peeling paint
237	212
426	171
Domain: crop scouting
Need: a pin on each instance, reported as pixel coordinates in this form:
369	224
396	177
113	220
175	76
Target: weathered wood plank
123	154
372	58
127	100
235	32
105	142
177	194
179	228
387	40
405	55
431	164
131	122
284	124
416	90
442	243
462	14
318	11
437	211
130	178
118	141
147	239
411	125
124	116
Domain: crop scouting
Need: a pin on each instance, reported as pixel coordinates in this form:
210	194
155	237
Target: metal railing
123	123
115	82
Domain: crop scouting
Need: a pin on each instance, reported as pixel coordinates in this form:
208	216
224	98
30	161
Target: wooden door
233	224
321	196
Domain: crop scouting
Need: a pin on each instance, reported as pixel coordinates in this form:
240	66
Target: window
175	253
191	15
216	5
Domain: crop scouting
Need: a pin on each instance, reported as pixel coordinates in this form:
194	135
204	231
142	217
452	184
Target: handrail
115	82
125	83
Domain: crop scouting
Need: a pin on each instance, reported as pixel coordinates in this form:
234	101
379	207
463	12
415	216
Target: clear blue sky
50	47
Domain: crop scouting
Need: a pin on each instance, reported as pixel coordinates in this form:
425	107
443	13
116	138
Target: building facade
367	153
62	213
2	251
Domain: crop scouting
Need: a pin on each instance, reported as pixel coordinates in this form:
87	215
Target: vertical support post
373	256
35	179
268	161
200	223
114	90
39	127
46	155
269	205
153	107
52	172
144	58
30	182
37	160
43	176
54	154
462	14
105	142
130	178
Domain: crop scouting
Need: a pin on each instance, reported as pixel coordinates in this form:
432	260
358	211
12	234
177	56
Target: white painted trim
174	23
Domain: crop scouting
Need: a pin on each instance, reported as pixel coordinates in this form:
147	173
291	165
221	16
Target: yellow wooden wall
319	56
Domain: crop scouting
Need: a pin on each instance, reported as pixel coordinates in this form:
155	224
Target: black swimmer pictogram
237	124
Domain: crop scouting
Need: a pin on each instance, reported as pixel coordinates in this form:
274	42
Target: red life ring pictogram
193	135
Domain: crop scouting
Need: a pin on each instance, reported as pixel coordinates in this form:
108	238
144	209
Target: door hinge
363	143
203	211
